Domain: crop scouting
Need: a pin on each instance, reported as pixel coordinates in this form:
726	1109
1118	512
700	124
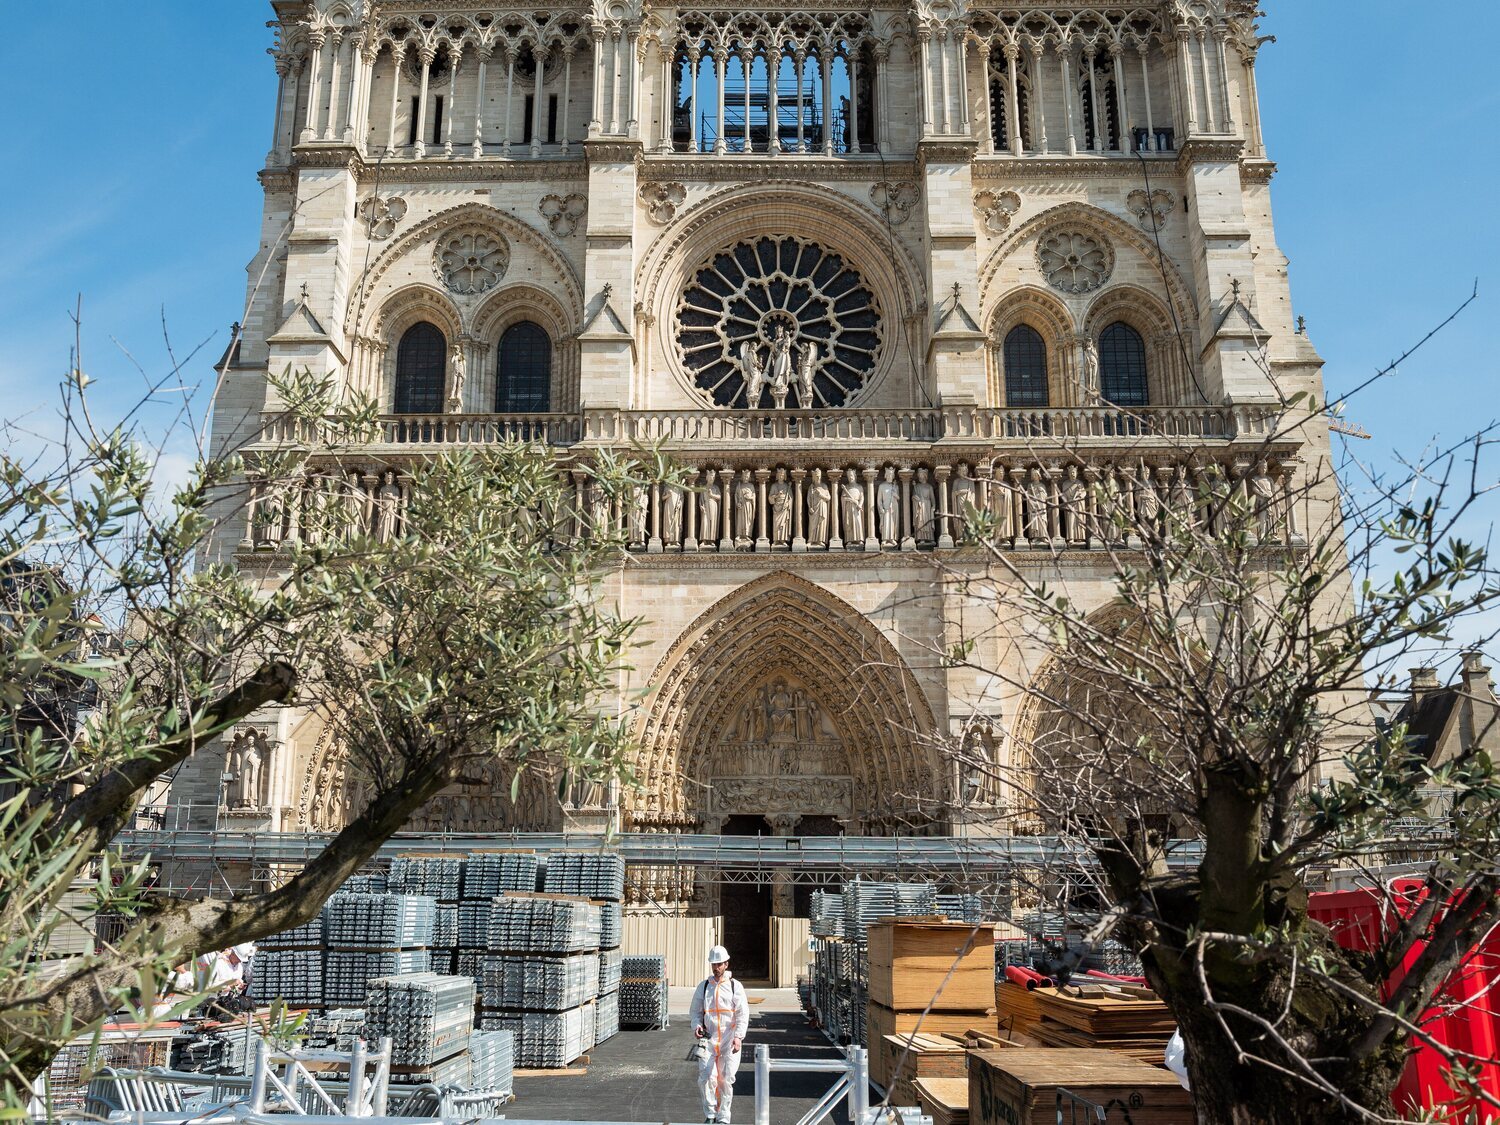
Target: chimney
1474	675
1423	680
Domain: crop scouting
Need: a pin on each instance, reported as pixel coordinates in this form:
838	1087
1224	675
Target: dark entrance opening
746	910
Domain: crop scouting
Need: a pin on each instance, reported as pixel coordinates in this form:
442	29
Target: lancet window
523	379
420	362
745	83
1025	356
1122	366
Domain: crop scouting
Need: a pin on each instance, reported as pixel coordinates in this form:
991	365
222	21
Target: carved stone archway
783	700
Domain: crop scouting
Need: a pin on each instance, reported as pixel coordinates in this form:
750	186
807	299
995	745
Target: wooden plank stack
919	1055
1134	1022
1016	1009
945	1100
1019	1087
915	963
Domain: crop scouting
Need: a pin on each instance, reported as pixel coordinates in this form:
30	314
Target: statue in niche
671	514
888	507
245	761
964	492
807	365
1147	503
1073	501
852	508
819	509
780	500
1184	500
782	713
354	505
640	510
457	374
744	509
1264	502
710	504
1036	506
387	507
752	372
599	509
923	509
779	363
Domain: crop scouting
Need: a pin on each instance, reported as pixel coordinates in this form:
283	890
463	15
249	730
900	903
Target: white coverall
719	1008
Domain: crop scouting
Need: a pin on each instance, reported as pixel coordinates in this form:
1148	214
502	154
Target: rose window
472	261
778	315
1074	261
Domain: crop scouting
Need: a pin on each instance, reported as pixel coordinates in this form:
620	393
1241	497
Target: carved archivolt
785	626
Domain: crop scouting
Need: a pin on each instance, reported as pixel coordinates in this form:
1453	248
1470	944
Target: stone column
726	510
719	59
690	514
872	532
420	148
477	147
908	536
853	61
762	540
940	475
835	486
1038	102
567	94
1141	49
653	541
536	100
315	39
335	84
799	539
1065	54
1013	107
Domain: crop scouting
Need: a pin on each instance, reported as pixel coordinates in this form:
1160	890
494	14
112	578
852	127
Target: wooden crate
880	1022
945	1100
911	961
1019	1087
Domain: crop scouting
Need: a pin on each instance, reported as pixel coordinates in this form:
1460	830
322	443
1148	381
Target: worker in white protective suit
720	1018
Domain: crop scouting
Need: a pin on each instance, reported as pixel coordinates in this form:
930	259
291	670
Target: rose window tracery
779	316
472	261
1075	261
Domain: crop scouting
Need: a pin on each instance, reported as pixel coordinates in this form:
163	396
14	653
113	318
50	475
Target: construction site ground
644	1075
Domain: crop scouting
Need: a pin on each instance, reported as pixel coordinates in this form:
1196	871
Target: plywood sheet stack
920	1055
1016	1010
1019	1086
943	969
1133	1021
945	1100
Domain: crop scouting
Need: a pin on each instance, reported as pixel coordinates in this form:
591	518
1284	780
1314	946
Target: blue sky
133	161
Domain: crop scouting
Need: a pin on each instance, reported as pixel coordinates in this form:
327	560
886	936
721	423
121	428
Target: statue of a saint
807	365
923	509
744	510
1073	499
387	507
819	510
780	361
1147	505
671	514
888	507
852	509
457	374
709	504
640	510
599	510
1184	500
245	760
1036	507
1263	497
752	372
780	500
964	494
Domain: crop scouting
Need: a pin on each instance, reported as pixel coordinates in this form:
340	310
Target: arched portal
784	701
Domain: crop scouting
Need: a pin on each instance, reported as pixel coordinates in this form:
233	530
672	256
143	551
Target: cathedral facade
862	270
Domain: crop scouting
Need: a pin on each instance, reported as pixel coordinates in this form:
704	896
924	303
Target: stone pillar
944	528
799	539
762	540
872	532
835	487
908	535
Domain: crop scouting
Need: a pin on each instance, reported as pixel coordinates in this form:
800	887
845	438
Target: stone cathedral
862	269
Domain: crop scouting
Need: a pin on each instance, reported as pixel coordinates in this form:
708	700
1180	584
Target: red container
1466	1016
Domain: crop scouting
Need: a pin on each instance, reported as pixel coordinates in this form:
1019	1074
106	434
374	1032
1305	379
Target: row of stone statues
840	507
893	507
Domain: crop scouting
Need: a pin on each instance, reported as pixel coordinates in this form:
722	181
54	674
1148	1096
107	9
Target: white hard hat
718	955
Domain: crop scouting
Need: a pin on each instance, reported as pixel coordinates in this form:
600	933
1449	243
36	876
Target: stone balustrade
841	504
758	429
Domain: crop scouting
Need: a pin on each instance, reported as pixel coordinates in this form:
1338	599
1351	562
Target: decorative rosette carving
471	260
1075	260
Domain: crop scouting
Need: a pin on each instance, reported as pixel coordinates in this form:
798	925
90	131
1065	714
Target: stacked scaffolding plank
429	1017
289	966
374	935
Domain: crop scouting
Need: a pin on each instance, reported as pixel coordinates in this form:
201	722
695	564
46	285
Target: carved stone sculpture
1073	498
888	507
671	514
640	511
965	494
744	510
354	505
779	364
245	762
1147	504
780	500
709	505
387	507
807	366
819	509
1036	507
457	376
923	509
752	372
852	508
1184	499
599	509
1264	502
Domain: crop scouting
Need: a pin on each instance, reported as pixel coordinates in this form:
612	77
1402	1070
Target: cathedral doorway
746	910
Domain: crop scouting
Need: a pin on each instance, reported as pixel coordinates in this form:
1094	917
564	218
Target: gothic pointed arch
369	295
779	698
1116	232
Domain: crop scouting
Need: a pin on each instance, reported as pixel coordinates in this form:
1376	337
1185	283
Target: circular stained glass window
783	307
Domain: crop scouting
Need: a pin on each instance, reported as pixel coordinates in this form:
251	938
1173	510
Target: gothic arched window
523	376
420	360
1025	367
1122	366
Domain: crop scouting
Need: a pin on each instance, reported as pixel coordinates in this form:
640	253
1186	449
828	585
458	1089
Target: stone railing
835	427
841	503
